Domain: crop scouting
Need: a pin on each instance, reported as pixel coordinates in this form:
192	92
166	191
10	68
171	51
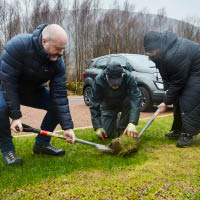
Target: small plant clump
122	146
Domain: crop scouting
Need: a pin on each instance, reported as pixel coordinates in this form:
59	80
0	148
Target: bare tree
14	20
95	7
127	22
41	14
82	18
60	11
85	36
92	32
186	30
190	28
26	15
74	19
3	20
160	19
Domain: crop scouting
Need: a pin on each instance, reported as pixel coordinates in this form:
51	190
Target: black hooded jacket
179	66
25	68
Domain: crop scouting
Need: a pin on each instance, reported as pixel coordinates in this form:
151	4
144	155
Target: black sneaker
184	140
48	149
173	135
11	158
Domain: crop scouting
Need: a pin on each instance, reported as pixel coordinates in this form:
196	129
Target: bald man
27	63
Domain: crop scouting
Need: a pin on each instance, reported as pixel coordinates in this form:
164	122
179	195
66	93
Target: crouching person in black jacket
178	60
115	103
27	62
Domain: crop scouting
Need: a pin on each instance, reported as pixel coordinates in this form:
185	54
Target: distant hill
158	23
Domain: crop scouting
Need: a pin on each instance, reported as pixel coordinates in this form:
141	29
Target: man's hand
131	131
71	135
162	107
100	133
16	123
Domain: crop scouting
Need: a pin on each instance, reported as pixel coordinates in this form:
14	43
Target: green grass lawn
158	170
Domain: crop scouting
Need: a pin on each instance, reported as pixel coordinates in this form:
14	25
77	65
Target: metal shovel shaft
149	122
27	128
52	134
98	146
85	142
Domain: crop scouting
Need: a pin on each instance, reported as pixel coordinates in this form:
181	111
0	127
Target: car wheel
87	95
146	100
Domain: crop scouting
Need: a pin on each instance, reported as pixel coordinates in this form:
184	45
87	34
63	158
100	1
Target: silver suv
147	76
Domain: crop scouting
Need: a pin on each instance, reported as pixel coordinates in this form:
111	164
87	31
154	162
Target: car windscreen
140	61
91	63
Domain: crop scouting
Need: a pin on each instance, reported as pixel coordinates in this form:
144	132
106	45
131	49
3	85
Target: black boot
11	158
48	149
184	140
173	135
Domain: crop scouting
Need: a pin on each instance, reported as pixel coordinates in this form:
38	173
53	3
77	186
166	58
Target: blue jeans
40	100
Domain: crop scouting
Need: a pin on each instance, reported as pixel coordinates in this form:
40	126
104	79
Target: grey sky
178	9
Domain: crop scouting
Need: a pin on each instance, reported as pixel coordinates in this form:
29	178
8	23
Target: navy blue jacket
25	68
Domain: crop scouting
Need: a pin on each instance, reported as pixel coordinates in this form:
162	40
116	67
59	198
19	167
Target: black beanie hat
114	70
152	41
114	73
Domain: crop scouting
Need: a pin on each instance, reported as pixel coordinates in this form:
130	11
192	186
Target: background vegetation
92	32
74	87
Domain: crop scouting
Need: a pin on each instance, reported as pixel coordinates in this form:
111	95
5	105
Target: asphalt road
75	99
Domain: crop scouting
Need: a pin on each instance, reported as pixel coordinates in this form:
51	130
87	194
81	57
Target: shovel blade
102	147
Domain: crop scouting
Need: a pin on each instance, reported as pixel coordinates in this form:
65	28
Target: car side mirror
129	68
126	67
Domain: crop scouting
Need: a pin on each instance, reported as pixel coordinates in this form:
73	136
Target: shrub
75	87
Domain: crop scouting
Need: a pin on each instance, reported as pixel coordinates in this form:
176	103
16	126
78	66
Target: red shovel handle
27	128
47	133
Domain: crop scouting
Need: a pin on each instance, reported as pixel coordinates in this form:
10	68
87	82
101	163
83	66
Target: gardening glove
70	133
16	123
100	133
131	130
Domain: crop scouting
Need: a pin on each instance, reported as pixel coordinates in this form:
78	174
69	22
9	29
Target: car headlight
160	86
157	75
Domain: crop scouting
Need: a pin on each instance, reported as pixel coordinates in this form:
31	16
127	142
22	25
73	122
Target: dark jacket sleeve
178	71
95	104
58	93
165	83
135	99
11	66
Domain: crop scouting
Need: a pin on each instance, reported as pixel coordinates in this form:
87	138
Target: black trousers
115	120
186	122
177	122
